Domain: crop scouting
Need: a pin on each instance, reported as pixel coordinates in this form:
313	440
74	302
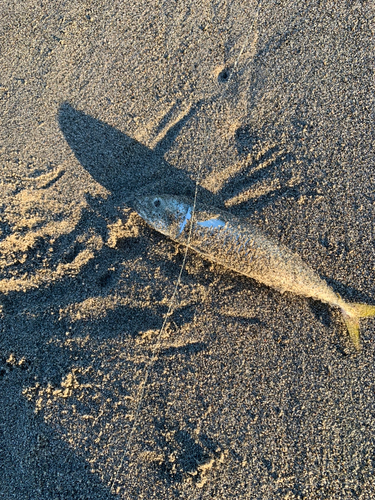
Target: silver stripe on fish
212	223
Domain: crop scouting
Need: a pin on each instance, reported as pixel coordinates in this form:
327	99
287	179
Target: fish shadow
120	163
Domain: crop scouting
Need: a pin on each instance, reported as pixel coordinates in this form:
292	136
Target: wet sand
252	394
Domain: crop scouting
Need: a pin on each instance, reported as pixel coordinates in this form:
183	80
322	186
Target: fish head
167	214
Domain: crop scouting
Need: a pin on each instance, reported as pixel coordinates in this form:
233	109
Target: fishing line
157	344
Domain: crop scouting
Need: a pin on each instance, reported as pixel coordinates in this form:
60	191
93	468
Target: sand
251	394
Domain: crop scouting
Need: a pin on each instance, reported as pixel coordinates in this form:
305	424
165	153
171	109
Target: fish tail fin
352	312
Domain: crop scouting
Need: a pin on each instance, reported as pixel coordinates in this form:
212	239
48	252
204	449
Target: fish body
232	242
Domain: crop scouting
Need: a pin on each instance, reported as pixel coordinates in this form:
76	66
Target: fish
232	242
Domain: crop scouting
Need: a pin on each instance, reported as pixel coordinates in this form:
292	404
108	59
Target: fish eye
157	203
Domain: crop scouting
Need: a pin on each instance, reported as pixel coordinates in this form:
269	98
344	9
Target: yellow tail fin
352	313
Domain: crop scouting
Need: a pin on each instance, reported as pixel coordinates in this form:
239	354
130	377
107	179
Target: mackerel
232	242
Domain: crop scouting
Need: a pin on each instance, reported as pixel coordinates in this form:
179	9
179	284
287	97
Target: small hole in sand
224	76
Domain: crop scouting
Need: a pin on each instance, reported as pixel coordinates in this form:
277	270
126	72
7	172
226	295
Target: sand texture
250	394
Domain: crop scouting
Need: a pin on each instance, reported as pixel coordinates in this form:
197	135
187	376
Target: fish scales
238	245
232	242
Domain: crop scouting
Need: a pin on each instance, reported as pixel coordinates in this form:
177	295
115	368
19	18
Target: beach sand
249	394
